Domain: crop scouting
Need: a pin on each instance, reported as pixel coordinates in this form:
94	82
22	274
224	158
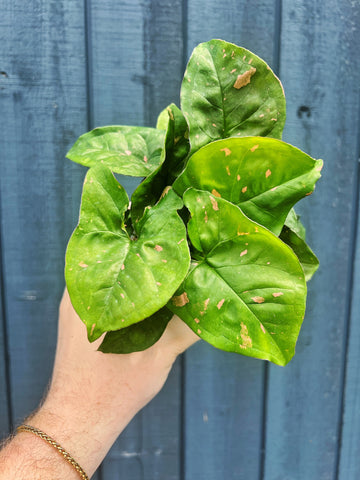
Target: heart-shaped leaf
246	290
135	151
263	176
138	336
229	91
176	150
114	280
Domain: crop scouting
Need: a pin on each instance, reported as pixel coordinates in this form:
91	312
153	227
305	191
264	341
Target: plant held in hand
211	234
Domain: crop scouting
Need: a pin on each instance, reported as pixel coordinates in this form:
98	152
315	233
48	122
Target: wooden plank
5	420
223	392
136	68
349	466
251	25
43	99
320	71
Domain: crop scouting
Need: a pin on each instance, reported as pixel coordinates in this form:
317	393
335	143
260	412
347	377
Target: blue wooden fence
68	66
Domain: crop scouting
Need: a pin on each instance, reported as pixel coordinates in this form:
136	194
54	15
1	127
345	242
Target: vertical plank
224	392
5	420
136	68
43	99
321	75
349	464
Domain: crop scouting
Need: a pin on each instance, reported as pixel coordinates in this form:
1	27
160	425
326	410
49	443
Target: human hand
93	396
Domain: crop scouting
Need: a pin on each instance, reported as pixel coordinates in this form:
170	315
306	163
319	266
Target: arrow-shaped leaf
229	91
263	176
246	290
135	151
114	280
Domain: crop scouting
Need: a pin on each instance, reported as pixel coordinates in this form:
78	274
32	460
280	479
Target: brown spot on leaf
206	303
254	148
243	233
88	307
145	159
214	124
307	194
244	334
226	150
274	119
244	79
258	299
268	173
250	61
165	192
238	178
92	329
277	294
158	284
215	193
196	320
228	170
122	295
122	267
262	328
180	241
233	70
180	300
158	248
244	252
261	115
171	115
163	260
83	265
221	303
214	203
244	189
273	189
199	331
127	152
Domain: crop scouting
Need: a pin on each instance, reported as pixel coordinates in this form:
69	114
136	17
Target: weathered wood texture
349	467
136	67
69	66
222	389
43	110
5	413
320	70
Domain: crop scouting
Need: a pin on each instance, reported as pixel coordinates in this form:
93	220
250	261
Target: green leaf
306	256
176	150
228	91
138	336
263	176
115	280
246	290
135	151
293	222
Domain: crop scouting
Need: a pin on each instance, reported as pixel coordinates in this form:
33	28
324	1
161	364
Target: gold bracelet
53	443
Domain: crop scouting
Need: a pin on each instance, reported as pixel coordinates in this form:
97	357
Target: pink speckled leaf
228	91
245	291
263	176
114	278
135	151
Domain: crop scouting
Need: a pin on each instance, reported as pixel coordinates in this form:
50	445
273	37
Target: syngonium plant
210	234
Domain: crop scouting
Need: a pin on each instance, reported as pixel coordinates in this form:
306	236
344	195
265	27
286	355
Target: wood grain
136	63
43	99
224	393
321	75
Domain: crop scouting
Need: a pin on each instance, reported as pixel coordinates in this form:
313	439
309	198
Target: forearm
92	397
81	427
